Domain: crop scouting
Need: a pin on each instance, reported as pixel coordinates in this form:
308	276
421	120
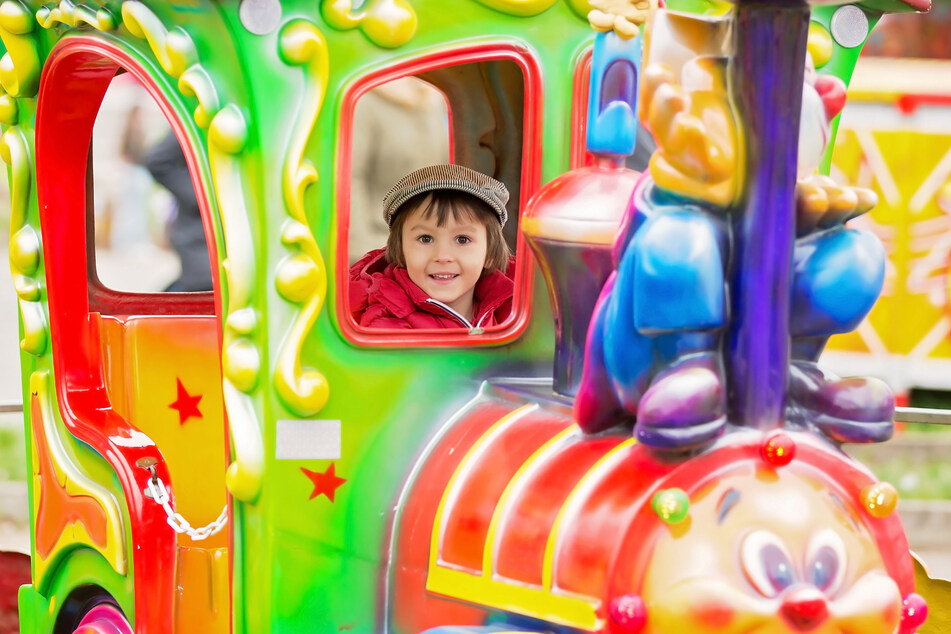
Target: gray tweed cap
457	177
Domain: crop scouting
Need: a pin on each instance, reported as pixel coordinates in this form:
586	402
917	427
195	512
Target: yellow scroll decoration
73	14
302	276
24	242
227	128
20	66
387	23
241	358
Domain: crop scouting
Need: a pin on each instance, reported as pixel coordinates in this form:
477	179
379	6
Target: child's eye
463	239
425	239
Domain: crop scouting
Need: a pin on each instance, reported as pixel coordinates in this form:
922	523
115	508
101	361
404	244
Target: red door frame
74	81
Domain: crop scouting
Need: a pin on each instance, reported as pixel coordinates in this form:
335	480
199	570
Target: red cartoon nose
804	608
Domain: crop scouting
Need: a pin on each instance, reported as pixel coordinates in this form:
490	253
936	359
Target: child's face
446	262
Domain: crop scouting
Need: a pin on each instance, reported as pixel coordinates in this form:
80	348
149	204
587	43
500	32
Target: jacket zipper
477	329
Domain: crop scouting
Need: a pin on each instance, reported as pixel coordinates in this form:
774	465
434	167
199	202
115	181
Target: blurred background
149	238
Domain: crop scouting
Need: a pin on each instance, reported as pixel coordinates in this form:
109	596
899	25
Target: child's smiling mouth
443	277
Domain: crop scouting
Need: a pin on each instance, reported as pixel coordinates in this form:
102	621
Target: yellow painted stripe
501	509
577	497
72	476
567	610
466	464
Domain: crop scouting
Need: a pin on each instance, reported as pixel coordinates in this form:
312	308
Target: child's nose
444	252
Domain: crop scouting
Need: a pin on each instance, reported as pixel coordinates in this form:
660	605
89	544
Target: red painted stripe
524	531
478	490
415	609
591	536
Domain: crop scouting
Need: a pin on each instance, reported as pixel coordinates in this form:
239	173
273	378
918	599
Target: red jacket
383	296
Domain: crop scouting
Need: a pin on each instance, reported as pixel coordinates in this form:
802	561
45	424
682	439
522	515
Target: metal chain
157	491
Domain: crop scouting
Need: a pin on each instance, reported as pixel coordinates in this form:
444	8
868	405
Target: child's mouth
443	277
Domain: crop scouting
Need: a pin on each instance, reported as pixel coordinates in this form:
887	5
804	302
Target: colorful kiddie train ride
681	469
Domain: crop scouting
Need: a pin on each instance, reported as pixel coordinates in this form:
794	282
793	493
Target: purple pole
767	77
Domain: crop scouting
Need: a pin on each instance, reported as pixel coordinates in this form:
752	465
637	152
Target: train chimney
571	224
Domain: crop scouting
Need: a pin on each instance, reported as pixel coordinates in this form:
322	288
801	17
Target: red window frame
530	176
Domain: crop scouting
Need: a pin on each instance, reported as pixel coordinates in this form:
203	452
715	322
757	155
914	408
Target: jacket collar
393	288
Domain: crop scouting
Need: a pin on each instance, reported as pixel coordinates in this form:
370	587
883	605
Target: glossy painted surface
379	483
533	511
103	619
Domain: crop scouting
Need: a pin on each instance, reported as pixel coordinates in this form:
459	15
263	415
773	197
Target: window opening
468	114
399	126
149	236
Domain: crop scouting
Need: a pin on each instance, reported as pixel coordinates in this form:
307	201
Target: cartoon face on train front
774	553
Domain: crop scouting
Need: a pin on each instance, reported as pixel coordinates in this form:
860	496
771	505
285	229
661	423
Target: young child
445	259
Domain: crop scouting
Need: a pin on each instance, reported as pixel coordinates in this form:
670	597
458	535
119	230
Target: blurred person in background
398	127
185	231
121	183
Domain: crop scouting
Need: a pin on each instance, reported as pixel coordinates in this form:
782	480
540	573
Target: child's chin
445	298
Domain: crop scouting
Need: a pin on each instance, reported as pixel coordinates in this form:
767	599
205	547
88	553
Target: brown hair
444	202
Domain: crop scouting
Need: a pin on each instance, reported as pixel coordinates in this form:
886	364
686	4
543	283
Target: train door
136	374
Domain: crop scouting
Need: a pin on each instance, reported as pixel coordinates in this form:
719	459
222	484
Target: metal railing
11	408
922	415
902	414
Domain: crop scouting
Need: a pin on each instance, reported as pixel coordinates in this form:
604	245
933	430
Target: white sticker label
308	440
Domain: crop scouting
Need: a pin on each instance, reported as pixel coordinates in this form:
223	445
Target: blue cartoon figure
658	346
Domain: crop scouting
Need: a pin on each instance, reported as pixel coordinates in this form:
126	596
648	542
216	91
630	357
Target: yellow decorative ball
879	499
820	44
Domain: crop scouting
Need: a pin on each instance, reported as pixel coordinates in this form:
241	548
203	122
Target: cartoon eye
825	561
766	563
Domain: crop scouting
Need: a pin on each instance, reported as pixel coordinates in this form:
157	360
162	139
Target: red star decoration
325	483
186	404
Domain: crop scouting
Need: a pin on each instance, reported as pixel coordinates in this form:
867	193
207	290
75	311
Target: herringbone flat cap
457	177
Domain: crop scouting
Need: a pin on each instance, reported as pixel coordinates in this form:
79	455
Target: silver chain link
157	491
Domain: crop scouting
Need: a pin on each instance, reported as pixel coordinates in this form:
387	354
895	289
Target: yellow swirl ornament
20	66
25	251
302	276
387	23
72	14
24	243
241	359
246	474
9	110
